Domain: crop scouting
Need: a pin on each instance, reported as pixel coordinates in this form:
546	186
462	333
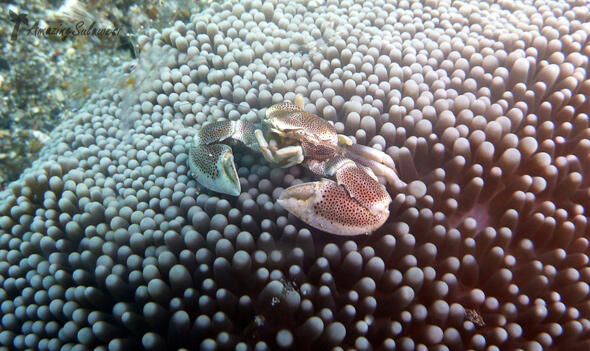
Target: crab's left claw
211	162
355	204
213	167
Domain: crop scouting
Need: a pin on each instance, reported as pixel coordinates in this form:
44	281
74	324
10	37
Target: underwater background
108	242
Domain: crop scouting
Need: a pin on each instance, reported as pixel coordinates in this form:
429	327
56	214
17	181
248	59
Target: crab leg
353	204
285	157
373	154
380	162
240	130
212	163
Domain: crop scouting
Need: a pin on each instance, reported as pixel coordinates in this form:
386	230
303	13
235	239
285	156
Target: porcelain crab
354	203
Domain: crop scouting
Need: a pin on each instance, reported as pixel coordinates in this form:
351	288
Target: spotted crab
355	203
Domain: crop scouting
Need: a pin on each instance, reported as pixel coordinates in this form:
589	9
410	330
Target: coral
106	242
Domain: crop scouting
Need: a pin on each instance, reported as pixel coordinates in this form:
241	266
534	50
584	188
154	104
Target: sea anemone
107	242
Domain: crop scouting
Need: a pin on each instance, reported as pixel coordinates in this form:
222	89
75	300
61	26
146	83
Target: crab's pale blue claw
213	167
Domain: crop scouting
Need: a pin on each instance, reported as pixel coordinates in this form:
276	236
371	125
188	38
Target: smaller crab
356	203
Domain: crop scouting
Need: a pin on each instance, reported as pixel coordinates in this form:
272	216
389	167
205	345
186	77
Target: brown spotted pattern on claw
215	132
327	206
213	167
361	187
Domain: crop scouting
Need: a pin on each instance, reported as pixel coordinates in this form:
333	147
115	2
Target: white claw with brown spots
356	203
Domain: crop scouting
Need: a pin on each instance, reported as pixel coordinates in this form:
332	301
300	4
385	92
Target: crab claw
213	167
359	208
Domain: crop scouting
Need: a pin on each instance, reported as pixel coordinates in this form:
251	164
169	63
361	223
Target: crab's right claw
213	167
329	207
